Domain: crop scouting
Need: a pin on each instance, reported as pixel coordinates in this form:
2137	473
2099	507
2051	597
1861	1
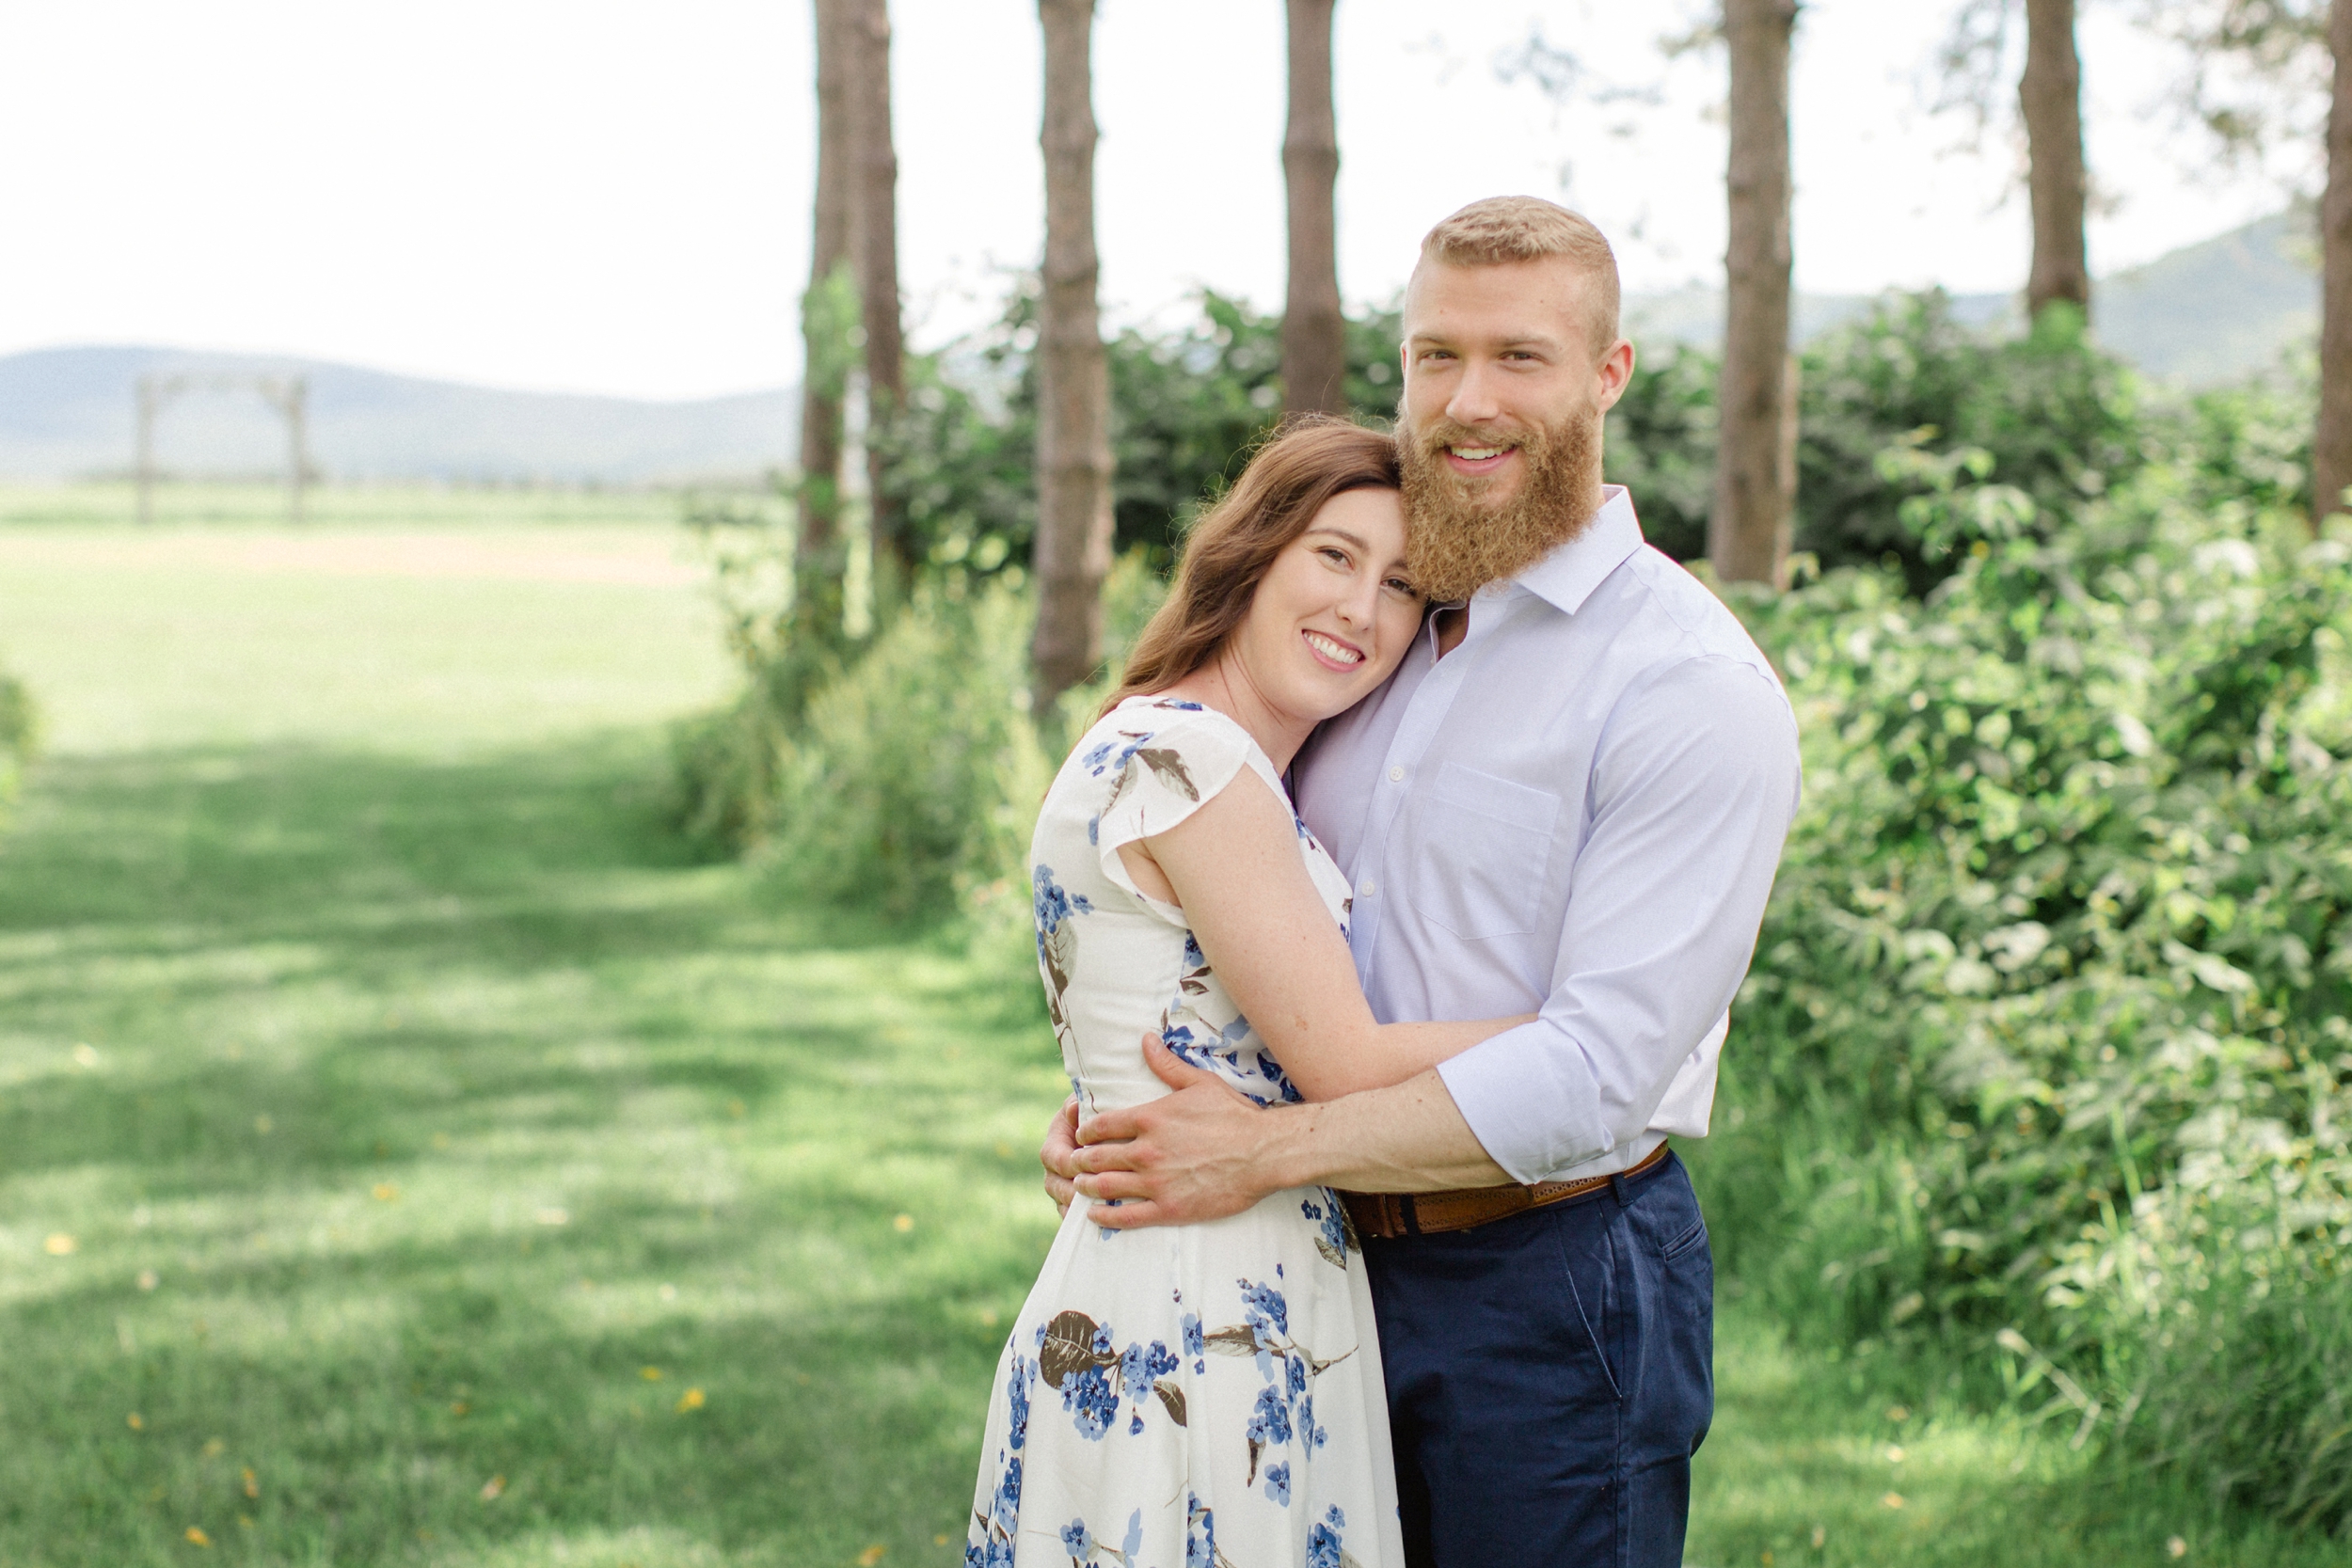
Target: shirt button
1366	888
1396	775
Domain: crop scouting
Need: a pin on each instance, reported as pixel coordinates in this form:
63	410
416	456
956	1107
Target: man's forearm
1406	1138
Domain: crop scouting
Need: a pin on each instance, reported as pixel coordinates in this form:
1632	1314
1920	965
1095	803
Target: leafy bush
916	774
20	734
2045	1044
1188	401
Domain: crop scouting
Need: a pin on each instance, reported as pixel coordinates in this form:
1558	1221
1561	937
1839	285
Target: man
1569	801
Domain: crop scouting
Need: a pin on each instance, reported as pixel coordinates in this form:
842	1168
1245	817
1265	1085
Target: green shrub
2062	924
20	734
916	774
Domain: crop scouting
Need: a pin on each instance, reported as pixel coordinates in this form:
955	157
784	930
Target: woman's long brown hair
1230	549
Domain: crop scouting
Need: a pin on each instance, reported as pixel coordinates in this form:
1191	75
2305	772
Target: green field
410	1153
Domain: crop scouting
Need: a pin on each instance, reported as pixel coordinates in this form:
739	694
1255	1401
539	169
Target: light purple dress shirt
1577	812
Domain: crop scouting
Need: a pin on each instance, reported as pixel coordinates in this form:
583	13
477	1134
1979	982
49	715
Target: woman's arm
1234	867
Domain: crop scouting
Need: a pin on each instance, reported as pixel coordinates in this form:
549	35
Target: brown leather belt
1393	1214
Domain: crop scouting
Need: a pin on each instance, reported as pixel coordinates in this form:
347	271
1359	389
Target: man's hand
1059	1154
1189	1156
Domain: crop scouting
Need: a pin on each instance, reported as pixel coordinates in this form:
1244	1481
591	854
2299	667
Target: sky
613	198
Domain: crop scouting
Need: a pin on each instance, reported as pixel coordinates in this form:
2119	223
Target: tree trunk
828	252
1314	335
2331	443
2051	97
1073	448
874	175
1755	475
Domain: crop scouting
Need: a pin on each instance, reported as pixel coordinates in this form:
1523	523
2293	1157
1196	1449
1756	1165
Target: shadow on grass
425	1107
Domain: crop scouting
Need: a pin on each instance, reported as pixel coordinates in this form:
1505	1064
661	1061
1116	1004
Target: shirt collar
1567	577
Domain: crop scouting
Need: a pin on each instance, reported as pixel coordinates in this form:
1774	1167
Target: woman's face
1335	611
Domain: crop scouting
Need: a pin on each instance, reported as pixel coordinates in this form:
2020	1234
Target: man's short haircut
1504	228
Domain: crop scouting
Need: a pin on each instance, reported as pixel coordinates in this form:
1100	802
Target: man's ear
1614	374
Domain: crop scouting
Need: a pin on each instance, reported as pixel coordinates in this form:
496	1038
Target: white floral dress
1201	1396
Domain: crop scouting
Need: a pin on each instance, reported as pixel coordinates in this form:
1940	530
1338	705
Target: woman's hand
1058	1155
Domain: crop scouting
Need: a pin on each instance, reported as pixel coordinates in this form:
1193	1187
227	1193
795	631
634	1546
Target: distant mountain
2201	314
2204	313
67	412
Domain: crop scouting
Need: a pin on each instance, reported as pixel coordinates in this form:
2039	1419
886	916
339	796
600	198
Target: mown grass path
410	1154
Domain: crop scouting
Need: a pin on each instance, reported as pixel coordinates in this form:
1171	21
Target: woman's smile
1332	653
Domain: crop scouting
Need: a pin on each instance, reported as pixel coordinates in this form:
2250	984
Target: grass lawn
410	1154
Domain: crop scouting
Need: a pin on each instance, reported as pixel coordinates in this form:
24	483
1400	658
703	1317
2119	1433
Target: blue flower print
1179	704
1005	1507
1090	1400
1323	1542
1327	1215
1195	1343
1265	1300
1270	1422
1140	1367
1296	1380
1310	1434
1111	756
1133	1542
1017	1390
1053	904
1080	1541
1200	1533
1134	1424
1277	1483
1193	957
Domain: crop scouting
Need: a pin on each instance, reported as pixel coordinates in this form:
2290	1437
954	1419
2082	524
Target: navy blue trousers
1549	1377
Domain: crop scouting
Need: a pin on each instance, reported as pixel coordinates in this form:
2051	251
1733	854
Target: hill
2205	313
67	412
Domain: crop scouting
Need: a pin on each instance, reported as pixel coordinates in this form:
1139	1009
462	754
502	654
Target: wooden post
297	410
143	466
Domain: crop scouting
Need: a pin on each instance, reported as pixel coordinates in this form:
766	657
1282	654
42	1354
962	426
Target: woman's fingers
1128	1216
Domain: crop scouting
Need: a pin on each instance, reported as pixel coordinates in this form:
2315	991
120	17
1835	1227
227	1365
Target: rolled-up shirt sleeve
1694	784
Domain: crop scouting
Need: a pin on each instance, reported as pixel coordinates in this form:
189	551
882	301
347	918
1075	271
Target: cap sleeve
1155	765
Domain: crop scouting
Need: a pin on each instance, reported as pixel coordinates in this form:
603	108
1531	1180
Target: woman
1210	1394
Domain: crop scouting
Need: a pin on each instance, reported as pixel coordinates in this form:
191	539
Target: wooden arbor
288	394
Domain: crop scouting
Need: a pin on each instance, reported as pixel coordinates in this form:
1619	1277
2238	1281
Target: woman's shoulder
1172	737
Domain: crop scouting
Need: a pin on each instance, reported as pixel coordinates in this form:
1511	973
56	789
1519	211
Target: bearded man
1569	801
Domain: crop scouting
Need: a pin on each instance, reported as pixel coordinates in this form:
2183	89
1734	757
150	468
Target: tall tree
2050	95
2266	73
1073	448
822	330
1755	468
873	173
1976	57
2331	443
1314	335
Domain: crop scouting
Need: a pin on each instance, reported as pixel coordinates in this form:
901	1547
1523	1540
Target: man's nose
1474	401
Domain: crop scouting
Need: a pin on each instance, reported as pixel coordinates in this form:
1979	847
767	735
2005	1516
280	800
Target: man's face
1496	355
1502	434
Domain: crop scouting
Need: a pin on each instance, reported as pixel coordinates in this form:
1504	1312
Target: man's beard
1458	541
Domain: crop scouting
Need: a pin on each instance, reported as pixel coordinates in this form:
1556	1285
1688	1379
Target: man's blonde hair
1504	228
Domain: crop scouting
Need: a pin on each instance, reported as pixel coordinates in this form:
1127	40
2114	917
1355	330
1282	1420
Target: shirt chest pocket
1481	853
